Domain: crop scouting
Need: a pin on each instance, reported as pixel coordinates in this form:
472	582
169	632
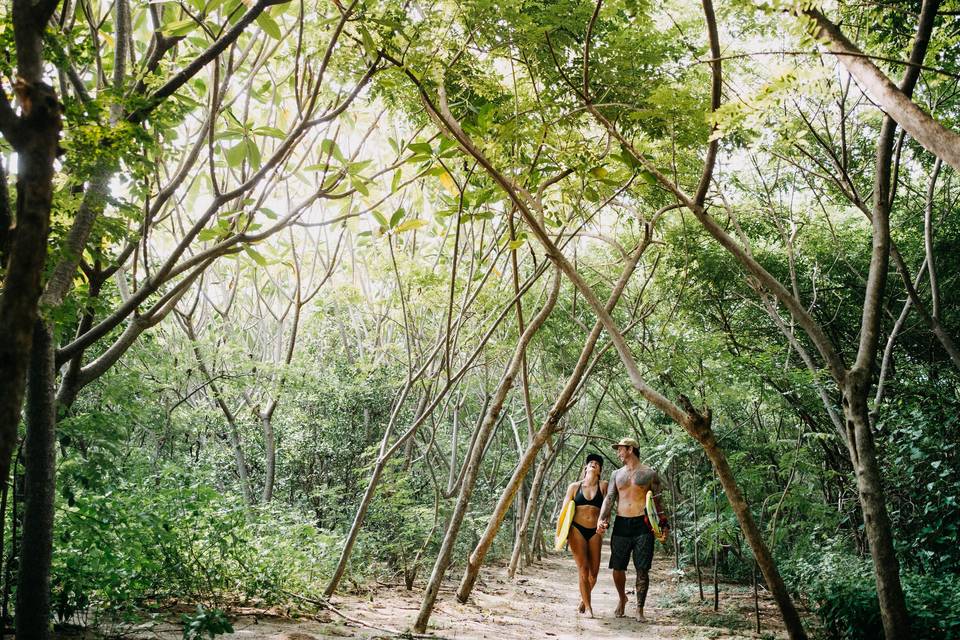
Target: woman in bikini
583	539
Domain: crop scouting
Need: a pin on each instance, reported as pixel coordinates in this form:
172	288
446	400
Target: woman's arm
568	496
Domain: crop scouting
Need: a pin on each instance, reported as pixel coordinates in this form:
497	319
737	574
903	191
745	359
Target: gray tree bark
473	465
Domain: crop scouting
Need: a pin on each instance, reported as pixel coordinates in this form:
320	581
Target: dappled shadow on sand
541	603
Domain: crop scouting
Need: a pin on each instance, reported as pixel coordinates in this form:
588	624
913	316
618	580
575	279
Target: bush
843	592
171	536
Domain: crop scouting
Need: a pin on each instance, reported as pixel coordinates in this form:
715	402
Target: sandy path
539	604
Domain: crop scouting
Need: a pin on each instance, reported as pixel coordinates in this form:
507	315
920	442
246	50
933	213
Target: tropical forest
480	319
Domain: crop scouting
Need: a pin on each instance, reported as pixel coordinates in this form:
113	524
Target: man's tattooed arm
607	506
656	488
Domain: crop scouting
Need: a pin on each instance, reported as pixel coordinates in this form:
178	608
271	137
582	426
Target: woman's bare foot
640	616
589	612
582	607
618	613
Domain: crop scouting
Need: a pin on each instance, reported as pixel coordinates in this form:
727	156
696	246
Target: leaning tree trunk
40	454
705	436
559	408
387	453
520	544
422	412
895	101
473	466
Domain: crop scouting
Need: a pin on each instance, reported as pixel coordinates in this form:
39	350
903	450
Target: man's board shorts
631	536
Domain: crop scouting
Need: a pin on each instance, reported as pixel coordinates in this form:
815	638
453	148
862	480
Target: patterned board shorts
631	537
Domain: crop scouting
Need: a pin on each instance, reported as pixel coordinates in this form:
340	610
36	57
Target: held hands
602	526
664	535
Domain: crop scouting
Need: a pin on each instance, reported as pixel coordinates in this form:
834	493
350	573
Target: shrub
173	536
843	592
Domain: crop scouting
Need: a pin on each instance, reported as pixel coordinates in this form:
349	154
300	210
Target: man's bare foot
618	613
640	616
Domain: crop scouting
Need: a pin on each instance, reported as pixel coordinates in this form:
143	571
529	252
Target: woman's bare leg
595	545
580	550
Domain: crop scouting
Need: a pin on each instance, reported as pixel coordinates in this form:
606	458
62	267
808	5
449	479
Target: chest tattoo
643	476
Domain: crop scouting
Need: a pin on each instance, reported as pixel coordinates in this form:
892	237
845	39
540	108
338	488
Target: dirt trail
539	604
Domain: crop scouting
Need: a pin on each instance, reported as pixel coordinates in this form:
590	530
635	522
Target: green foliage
397	523
921	446
171	536
844	593
205	623
150	505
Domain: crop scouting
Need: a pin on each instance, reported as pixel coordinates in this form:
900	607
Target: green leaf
256	256
397	217
369	47
380	219
236	154
329	147
513	245
357	167
360	185
179	28
648	177
414	223
421	148
272	132
269	26
253	153
207	234
599	172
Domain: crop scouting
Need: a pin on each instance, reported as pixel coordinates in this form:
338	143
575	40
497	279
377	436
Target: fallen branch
325	604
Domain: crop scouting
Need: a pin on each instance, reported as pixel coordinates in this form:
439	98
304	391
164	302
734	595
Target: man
631	531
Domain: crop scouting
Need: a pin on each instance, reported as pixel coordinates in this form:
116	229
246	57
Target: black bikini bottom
586	532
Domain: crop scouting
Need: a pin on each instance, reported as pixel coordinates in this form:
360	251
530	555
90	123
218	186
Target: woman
583	539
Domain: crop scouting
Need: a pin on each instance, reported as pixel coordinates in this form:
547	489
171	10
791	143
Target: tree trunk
751	532
696	541
716	551
473	466
232	432
40	453
533	511
530	508
931	134
423	412
694	422
39	127
451	477
270	454
559	408
233	435
876	522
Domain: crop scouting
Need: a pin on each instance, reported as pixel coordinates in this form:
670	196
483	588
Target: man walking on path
632	533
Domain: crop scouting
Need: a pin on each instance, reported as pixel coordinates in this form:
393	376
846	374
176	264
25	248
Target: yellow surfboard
652	517
563	525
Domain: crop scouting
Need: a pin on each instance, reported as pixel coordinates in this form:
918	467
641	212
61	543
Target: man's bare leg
643	583
620	581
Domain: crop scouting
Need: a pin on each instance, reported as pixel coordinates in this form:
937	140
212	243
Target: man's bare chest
640	477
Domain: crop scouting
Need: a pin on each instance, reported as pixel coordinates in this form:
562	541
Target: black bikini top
580	499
